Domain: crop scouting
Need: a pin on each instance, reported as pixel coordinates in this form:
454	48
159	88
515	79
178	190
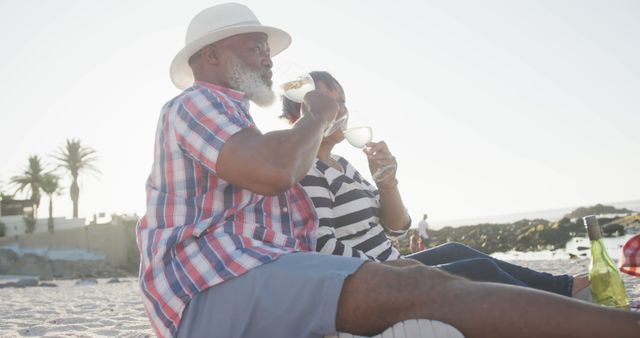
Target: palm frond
75	158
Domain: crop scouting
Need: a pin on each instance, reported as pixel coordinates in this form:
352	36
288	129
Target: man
226	238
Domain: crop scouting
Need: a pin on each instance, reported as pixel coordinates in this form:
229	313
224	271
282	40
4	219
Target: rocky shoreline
530	235
45	269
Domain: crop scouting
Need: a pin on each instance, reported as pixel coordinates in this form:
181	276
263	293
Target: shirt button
284	209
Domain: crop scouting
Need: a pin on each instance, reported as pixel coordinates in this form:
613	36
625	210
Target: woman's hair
291	110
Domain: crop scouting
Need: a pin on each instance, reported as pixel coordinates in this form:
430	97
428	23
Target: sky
490	107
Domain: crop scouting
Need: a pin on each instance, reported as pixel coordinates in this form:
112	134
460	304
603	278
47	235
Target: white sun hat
214	24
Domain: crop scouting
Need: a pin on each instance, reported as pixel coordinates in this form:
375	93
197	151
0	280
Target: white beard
251	83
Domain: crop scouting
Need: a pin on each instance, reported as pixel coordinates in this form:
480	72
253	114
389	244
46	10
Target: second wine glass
359	136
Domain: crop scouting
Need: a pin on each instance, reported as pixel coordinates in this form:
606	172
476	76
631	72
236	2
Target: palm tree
75	159
31	179
50	186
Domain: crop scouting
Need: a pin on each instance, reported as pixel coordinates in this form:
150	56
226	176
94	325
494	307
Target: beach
74	310
84	309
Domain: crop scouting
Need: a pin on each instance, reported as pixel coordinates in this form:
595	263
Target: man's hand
319	105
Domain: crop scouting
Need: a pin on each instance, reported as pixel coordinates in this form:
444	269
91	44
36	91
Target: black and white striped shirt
348	209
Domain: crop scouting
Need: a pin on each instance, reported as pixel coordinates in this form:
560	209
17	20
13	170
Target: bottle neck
594	232
593	228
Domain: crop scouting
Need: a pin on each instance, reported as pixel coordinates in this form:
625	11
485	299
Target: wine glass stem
335	125
380	172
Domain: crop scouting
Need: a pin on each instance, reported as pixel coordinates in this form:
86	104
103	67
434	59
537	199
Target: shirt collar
234	94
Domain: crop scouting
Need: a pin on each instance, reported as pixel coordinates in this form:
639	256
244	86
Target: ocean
577	246
550	215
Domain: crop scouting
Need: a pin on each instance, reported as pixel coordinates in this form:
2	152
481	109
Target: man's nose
267	62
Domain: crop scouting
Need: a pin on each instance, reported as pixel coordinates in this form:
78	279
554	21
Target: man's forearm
271	163
295	150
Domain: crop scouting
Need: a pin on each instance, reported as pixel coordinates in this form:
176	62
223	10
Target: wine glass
359	136
296	89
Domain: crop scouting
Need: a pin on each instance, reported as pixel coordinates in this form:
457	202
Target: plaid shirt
199	230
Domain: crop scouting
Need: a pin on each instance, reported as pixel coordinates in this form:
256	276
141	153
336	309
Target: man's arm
271	163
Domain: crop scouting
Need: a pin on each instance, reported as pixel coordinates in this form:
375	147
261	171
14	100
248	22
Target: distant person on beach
359	219
423	228
227	240
415	242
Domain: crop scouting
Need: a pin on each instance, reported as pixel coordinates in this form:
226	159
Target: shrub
3	229
30	222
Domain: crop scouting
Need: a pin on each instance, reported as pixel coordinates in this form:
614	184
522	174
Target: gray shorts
295	296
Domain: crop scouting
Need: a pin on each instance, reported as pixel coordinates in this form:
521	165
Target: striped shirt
199	230
348	209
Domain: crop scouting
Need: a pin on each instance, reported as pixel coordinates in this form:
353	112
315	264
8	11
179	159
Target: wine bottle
607	287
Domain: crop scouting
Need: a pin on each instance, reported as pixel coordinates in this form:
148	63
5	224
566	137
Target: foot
580	281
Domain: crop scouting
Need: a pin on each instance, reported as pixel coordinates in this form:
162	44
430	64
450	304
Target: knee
456	247
427	280
403	283
377	296
427	290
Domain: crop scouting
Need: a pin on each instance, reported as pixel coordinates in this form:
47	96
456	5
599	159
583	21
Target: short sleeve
204	122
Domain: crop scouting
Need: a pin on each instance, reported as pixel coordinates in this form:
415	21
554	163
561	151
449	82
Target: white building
15	225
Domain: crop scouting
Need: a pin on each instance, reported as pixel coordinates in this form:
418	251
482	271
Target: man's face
248	66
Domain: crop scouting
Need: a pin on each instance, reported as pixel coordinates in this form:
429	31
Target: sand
115	310
70	310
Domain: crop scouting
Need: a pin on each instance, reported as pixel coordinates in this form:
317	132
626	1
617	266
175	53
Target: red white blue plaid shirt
199	230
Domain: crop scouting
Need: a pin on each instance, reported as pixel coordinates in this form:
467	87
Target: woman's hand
379	156
394	215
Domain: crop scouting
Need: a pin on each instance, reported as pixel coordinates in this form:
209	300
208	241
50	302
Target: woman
358	219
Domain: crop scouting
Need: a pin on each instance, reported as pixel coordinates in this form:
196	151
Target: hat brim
180	72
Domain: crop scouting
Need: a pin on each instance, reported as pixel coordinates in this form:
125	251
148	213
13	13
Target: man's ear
211	54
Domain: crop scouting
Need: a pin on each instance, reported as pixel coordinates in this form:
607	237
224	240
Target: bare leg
377	296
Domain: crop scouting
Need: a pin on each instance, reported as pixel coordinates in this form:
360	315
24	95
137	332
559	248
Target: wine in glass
296	89
359	137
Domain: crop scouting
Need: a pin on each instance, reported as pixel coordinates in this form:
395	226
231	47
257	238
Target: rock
612	228
24	282
46	277
21	283
8	259
48	269
48	284
114	280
